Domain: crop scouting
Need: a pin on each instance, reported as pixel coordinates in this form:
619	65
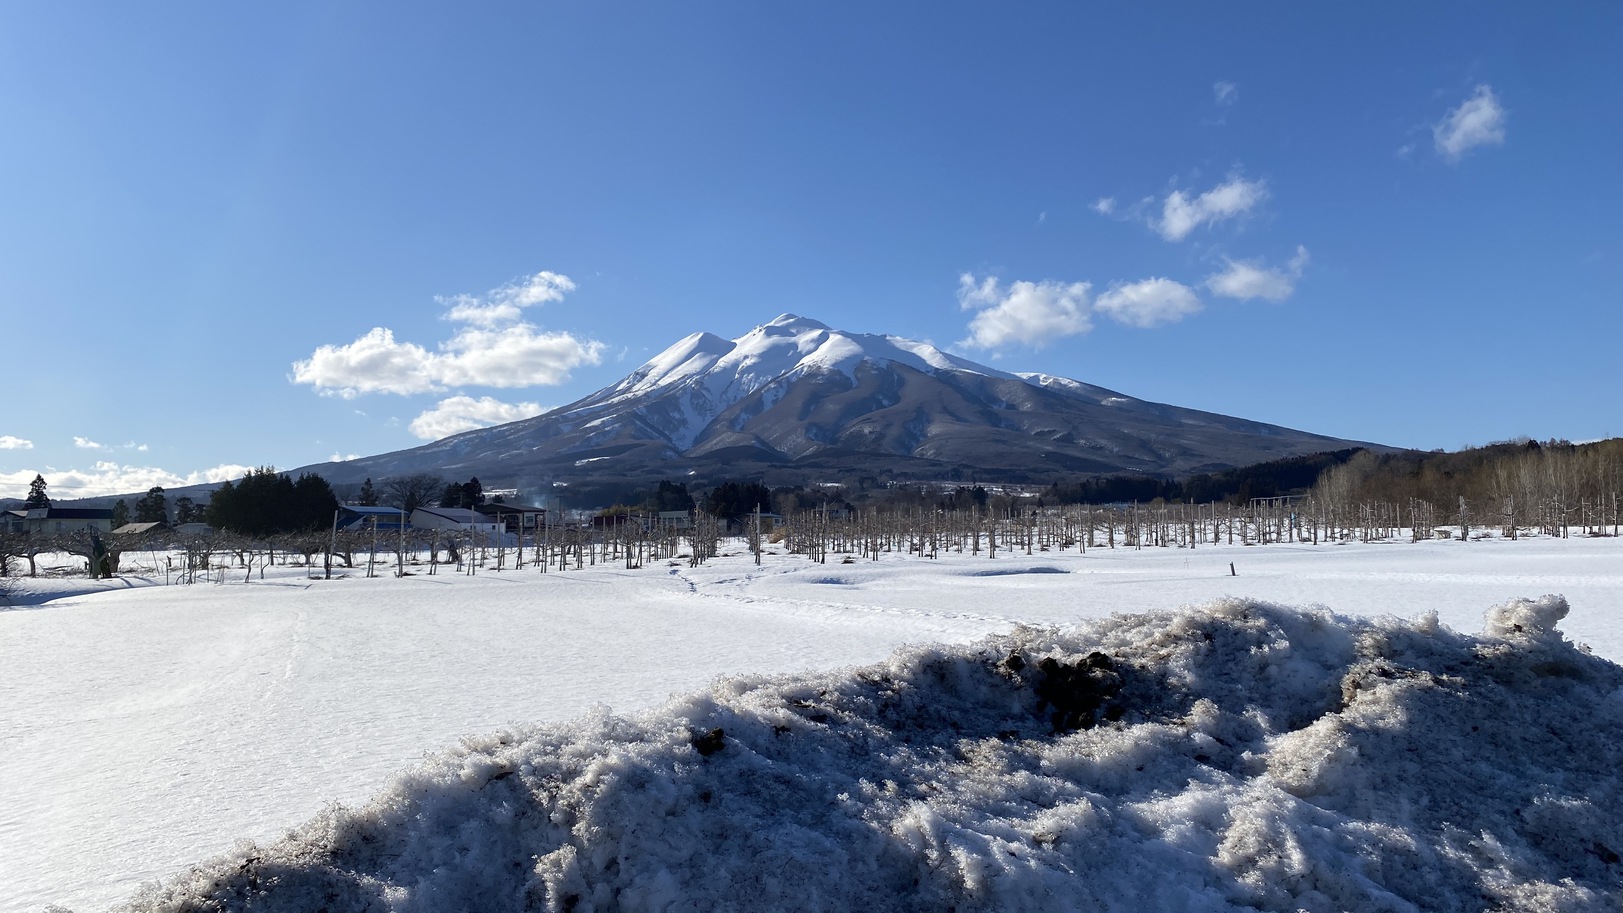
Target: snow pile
1241	755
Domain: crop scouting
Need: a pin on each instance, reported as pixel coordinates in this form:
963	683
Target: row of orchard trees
929	534
218	555
1549	490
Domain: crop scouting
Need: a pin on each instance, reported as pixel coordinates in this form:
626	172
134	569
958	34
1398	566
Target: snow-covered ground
147	728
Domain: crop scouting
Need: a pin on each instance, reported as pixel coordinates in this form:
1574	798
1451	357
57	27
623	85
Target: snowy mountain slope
794	398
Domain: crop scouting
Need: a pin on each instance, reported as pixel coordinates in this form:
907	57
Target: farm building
515	518
352	516
53	520
460	521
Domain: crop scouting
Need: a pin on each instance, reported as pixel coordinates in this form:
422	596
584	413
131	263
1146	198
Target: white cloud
515	356
84	443
1149	303
342	457
140	448
1225	93
1478	121
8	442
1247	279
1104	206
496	349
464	413
1029	313
506	304
373	363
111	478
1181	215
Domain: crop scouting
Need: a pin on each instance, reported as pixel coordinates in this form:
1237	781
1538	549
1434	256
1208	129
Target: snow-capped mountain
796	400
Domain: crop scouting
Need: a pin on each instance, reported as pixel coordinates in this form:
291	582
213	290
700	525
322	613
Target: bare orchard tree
12	545
198	549
411	492
704	537
101	552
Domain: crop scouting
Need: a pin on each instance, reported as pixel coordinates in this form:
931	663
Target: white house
459	521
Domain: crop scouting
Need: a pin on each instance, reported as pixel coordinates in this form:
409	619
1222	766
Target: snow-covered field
147	728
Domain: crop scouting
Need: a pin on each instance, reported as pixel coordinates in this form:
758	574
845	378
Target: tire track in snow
299	644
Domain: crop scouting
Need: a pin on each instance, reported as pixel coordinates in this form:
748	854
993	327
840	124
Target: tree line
1513	484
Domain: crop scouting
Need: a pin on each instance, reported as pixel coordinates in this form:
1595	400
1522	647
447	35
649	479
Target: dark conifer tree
266	502
187	510
152	507
731	500
466	494
36	493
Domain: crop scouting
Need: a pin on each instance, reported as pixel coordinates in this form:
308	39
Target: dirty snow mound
1241	755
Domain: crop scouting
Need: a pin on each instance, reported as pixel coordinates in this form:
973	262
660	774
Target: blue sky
243	234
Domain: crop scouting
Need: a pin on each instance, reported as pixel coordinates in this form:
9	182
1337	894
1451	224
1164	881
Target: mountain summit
795	400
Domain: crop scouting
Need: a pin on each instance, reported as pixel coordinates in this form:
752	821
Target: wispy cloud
1104	206
1247	279
1478	121
8	442
1225	93
464	413
494	349
1022	313
112	478
84	443
1182	214
506	304
1148	303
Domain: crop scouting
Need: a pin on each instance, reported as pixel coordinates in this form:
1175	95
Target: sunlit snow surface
1289	758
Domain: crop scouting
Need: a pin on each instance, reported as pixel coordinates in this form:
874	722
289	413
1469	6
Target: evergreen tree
36	493
221	506
731	500
466	494
187	510
368	496
266	502
313	503
452	495
121	513
672	496
153	507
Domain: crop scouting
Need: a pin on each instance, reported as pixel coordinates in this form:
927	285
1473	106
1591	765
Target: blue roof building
355	517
